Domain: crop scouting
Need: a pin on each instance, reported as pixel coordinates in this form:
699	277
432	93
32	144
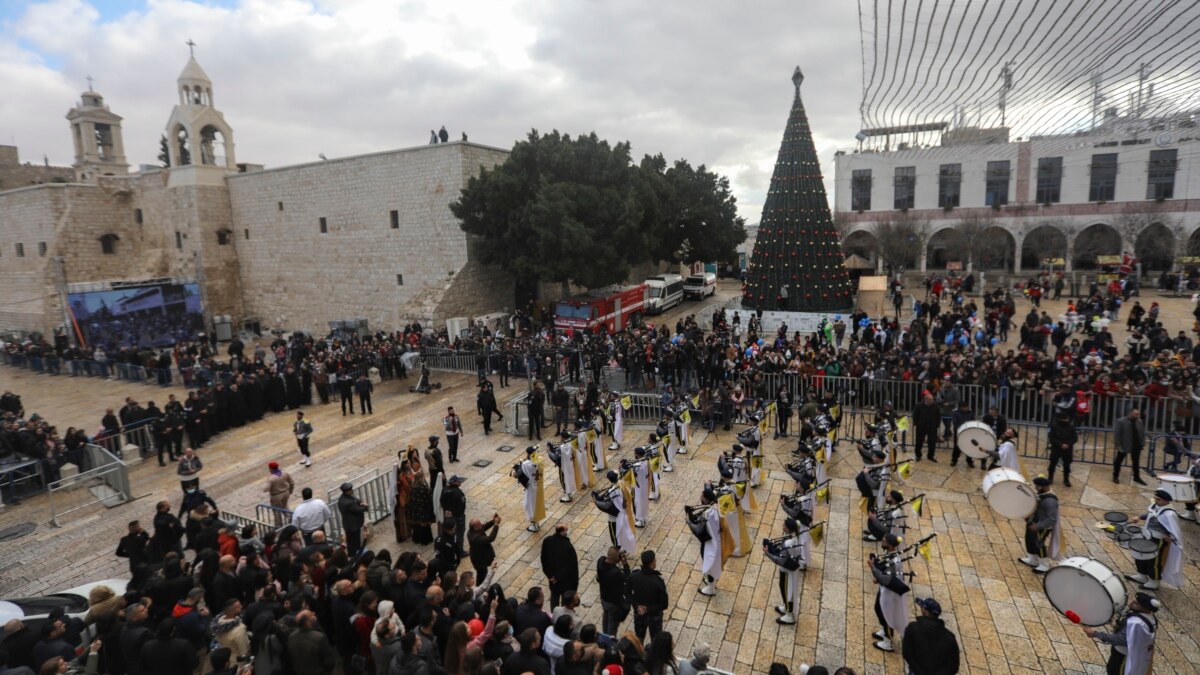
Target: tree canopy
578	210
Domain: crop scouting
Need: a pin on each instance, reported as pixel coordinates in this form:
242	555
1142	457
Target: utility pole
1097	97
60	281
1142	94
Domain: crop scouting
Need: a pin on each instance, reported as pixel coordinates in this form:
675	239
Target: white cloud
708	82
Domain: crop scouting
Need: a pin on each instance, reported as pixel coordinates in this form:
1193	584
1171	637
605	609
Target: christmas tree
797	261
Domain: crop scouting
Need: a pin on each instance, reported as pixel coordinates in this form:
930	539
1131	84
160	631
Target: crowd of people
35	439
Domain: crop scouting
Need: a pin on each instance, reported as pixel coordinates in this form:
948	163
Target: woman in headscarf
420	509
404	481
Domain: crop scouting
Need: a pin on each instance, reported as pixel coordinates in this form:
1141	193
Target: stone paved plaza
995	605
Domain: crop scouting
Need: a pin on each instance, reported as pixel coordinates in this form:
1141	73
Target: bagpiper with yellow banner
716	542
727	494
617	406
615	502
530	475
643	477
563	456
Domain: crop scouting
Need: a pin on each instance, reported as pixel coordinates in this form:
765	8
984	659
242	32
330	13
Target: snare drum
1143	549
1087	587
1116	517
1181	487
1008	494
976	439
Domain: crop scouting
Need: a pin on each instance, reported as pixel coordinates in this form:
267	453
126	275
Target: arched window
224	237
108	244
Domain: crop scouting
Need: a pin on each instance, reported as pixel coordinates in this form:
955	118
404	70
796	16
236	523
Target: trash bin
224	327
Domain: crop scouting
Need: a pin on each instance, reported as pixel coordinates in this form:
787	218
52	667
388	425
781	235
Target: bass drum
1087	587
1181	487
1009	494
976	439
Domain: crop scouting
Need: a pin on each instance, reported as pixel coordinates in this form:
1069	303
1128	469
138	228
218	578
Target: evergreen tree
797	245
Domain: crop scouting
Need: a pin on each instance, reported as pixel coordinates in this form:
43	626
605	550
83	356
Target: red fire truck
607	310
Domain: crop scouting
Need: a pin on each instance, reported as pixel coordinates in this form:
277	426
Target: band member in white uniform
599	461
807	452
1043	536
734	465
641	490
1005	454
735	521
1132	641
789	560
654	460
683	432
535	494
872	481
888	520
891	603
563	455
620	524
871	442
756	453
1161	524
583	454
616	421
712	557
666	431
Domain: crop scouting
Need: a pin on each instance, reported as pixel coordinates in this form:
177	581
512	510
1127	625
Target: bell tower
96	131
199	140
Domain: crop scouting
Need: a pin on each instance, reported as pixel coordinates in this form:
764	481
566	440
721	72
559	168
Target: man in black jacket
929	647
612	573
560	564
479	541
454	502
1061	439
530	659
167	654
353	511
135	546
648	593
530	613
134	635
926	417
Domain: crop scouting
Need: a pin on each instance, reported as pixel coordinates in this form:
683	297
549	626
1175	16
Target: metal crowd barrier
107	479
242	521
273	514
377	489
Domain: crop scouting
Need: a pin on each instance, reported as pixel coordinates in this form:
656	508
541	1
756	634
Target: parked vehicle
700	286
34	611
610	310
665	291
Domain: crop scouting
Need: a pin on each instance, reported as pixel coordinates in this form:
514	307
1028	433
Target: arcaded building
295	247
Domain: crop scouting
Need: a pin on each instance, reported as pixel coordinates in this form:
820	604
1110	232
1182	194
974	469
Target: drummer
1162	525
1042	532
1133	640
1005	455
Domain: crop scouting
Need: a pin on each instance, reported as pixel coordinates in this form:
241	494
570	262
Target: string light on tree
797	245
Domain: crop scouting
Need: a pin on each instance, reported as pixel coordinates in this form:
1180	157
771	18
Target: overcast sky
705	81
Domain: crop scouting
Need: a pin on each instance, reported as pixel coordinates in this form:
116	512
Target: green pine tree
797	245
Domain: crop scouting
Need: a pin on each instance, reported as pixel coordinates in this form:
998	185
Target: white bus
664	292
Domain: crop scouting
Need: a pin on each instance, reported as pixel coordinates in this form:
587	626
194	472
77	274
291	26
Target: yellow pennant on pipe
817	533
918	505
905	470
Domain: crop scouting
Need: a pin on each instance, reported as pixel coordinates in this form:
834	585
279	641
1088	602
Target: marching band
722	521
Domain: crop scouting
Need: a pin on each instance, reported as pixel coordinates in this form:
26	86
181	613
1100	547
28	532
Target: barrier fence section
242	521
377	489
107	478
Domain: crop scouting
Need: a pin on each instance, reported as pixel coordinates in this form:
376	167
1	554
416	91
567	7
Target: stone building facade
14	174
296	247
1131	185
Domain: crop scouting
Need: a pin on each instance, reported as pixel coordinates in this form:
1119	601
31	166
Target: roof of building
193	71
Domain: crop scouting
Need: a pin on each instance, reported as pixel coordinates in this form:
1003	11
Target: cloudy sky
705	81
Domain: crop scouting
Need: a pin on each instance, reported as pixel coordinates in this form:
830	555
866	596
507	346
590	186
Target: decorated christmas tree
797	262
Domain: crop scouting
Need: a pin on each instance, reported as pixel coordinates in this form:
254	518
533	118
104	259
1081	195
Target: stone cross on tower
797	79
192	48
89	81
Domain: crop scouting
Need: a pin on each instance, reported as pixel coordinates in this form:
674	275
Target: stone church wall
368	263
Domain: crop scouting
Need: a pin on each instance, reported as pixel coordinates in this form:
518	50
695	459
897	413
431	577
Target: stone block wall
15	175
295	276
